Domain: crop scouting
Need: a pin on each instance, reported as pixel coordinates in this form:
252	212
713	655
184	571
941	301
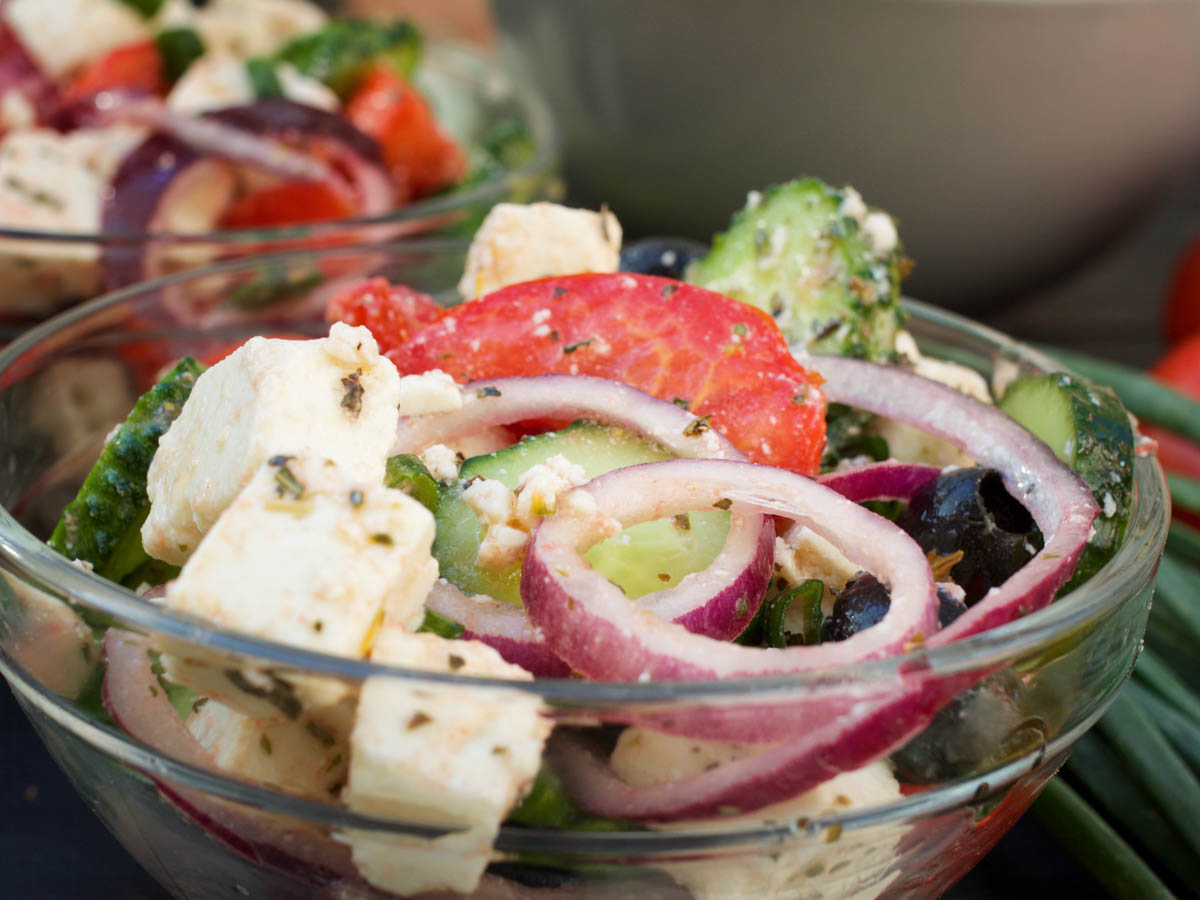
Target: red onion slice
717	602
140	708
502	626
502	401
888	480
1059	501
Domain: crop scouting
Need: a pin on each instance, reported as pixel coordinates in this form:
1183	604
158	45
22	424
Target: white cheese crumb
441	461
430	392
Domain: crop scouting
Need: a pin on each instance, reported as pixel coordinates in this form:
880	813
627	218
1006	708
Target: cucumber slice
102	524
807	254
406	472
645	557
1089	429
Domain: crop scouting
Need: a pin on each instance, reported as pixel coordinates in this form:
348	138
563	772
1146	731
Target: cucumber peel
1089	429
102	524
802	252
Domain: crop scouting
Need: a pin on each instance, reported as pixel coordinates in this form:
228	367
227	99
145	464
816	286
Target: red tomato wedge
393	313
721	358
421	157
134	67
290	203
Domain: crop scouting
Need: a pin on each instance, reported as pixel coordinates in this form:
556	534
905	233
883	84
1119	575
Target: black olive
970	510
860	604
950	607
980	728
661	256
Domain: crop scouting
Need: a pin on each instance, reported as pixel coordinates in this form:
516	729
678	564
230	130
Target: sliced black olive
661	256
970	510
860	604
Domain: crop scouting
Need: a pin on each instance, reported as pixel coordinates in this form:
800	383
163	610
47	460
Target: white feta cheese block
218	80
63	35
56	183
334	398
430	392
521	242
246	28
451	755
306	555
822	866
306	756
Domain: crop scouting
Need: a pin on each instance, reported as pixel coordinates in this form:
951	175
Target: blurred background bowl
1010	139
471	94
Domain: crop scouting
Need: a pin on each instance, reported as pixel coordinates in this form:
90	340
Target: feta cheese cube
306	756
248	28
334	398
64	35
441	461
306	555
217	80
447	754
521	242
430	392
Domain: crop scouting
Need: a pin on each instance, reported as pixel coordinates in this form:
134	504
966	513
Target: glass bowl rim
1130	568
535	112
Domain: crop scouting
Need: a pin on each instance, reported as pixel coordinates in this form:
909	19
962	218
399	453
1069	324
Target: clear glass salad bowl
472	95
1033	687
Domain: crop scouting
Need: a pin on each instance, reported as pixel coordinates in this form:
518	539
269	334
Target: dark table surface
52	846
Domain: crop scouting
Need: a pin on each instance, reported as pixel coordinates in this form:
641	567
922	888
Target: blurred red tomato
1182	314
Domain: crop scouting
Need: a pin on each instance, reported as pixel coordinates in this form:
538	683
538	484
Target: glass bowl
472	95
203	833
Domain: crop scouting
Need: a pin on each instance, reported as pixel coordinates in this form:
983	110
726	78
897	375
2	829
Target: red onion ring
141	709
717	602
1059	501
594	627
502	626
888	480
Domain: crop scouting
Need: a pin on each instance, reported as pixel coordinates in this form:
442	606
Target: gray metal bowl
1010	139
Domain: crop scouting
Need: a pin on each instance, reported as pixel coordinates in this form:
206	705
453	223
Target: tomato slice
290	203
136	67
421	157
392	313
678	342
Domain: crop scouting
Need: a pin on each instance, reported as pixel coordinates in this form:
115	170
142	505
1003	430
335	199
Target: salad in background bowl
320	619
137	139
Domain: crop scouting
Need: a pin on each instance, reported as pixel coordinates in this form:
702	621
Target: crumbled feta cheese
852	205
64	35
246	28
430	392
335	397
502	547
442	754
304	89
539	486
306	756
306	555
880	231
491	500
522	242
16	112
441	461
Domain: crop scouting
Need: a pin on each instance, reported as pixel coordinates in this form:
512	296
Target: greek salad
128	117
648	464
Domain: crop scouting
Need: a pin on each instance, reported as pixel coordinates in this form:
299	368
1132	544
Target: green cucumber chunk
801	252
102	524
338	54
1088	428
263	80
645	557
407	473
